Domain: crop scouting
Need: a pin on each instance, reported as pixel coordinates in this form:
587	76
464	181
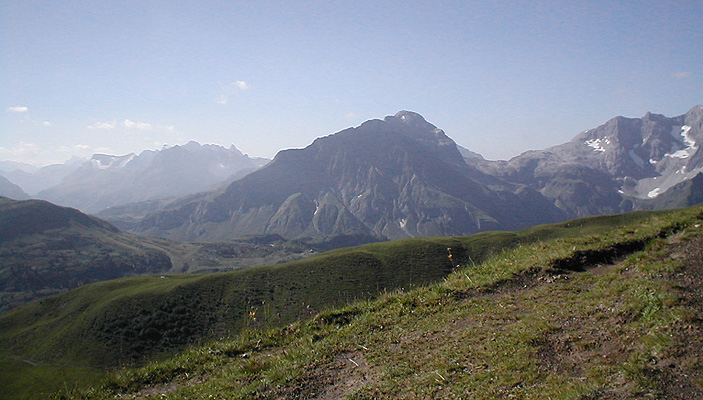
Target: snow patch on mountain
105	161
597	144
688	141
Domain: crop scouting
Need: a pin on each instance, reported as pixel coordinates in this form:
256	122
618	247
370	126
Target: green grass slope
108	324
69	340
46	249
608	315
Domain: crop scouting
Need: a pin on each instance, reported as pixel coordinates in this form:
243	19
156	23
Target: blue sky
500	77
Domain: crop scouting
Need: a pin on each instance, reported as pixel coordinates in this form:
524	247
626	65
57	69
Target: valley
46	249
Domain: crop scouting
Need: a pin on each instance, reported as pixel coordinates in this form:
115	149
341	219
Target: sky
499	77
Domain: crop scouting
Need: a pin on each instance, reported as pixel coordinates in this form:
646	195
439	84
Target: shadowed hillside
46	249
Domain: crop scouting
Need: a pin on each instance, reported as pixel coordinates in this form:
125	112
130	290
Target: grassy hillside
108	324
69	340
612	315
46	249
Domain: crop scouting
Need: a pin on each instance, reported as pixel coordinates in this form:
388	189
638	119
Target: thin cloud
17	109
241	85
46	123
35	154
142	126
681	75
103	125
230	90
20	150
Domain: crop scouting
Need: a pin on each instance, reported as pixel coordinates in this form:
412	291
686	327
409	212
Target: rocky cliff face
394	178
614	167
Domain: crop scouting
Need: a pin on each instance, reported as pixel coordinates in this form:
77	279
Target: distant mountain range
391	178
107	180
32	179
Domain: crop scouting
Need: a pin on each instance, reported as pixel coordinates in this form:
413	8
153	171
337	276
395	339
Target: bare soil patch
678	374
348	372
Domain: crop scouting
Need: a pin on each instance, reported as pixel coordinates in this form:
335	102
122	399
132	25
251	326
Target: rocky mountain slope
9	189
33	179
393	178
107	180
622	165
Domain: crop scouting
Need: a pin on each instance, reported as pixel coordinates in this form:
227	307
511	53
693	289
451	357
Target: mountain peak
192	146
694	115
654	117
410	117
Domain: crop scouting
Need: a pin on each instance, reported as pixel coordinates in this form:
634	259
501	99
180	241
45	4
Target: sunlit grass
463	337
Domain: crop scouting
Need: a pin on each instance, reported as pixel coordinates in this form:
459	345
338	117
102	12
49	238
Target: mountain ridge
396	177
616	167
9	189
107	180
611	168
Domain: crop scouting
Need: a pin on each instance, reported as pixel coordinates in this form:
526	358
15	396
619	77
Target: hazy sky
500	77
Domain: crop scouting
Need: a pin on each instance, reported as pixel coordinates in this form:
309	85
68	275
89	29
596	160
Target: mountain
397	177
615	167
569	310
46	249
19	219
466	153
33	180
107	180
6	166
9	189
